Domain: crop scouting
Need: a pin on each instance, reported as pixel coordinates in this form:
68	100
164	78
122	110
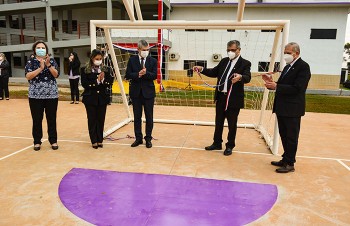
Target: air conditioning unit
216	57
174	56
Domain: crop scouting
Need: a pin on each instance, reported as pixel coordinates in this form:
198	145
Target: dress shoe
37	147
278	163
136	143
148	144
72	102
228	151
100	145
76	102
285	169
54	146
95	145
213	147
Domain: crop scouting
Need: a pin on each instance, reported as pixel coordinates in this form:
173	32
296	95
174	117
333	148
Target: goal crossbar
278	25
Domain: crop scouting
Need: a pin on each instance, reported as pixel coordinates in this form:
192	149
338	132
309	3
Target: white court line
27	138
19	151
343	164
5	157
176	147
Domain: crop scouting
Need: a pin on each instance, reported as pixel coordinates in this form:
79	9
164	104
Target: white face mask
144	54
231	55
288	58
98	62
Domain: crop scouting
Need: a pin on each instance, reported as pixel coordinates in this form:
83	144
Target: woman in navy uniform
96	78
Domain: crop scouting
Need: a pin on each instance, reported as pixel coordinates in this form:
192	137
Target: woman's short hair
38	42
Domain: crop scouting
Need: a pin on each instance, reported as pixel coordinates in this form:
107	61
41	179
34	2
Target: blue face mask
40	52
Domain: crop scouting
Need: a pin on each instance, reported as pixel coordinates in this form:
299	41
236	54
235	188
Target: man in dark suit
231	73
289	104
142	71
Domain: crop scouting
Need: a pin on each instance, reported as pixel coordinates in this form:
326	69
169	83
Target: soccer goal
180	45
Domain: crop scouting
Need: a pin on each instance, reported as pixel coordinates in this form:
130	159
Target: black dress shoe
278	163
95	145
213	147
148	144
136	143
285	169
228	151
100	145
37	148
54	147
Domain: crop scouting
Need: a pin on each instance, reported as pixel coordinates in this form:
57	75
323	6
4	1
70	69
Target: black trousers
231	114
4	87
96	115
37	108
74	89
289	128
147	104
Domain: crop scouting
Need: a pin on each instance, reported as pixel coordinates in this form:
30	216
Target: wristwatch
49	66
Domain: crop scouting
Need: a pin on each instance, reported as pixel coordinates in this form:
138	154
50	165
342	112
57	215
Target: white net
178	86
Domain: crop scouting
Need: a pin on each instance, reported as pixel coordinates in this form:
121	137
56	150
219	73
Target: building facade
318	26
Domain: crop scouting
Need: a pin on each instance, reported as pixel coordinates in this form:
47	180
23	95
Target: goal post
280	39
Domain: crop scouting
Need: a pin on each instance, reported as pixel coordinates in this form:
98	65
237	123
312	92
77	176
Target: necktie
223	77
142	62
285	70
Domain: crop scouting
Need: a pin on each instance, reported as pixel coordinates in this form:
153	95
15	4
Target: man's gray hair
295	46
142	43
234	42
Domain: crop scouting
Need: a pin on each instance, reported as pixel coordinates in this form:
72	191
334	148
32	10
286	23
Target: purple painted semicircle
132	199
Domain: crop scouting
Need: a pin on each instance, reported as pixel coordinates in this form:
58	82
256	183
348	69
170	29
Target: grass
314	103
328	104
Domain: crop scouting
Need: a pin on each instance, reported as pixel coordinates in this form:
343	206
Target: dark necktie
142	62
285	70
223	77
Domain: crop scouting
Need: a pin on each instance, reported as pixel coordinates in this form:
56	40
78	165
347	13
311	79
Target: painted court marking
104	197
176	147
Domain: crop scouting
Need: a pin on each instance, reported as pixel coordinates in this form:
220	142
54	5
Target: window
323	34
17	61
202	30
268	30
189	64
264	66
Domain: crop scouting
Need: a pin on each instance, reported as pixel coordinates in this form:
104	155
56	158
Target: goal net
184	96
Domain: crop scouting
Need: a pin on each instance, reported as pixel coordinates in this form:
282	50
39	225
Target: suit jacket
94	93
144	84
290	90
5	69
74	66
237	94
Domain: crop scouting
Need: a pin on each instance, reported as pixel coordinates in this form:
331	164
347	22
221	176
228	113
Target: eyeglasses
231	50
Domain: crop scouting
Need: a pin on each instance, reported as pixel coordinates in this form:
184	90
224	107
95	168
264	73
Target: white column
8	35
60	24
109	10
49	27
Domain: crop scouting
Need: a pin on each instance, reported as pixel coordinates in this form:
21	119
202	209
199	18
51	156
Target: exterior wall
325	56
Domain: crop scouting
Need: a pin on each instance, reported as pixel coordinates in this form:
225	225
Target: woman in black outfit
4	77
96	78
73	75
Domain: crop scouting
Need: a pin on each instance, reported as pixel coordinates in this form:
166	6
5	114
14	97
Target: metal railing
35	29
16	1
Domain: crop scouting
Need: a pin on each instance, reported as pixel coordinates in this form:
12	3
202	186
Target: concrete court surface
317	193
